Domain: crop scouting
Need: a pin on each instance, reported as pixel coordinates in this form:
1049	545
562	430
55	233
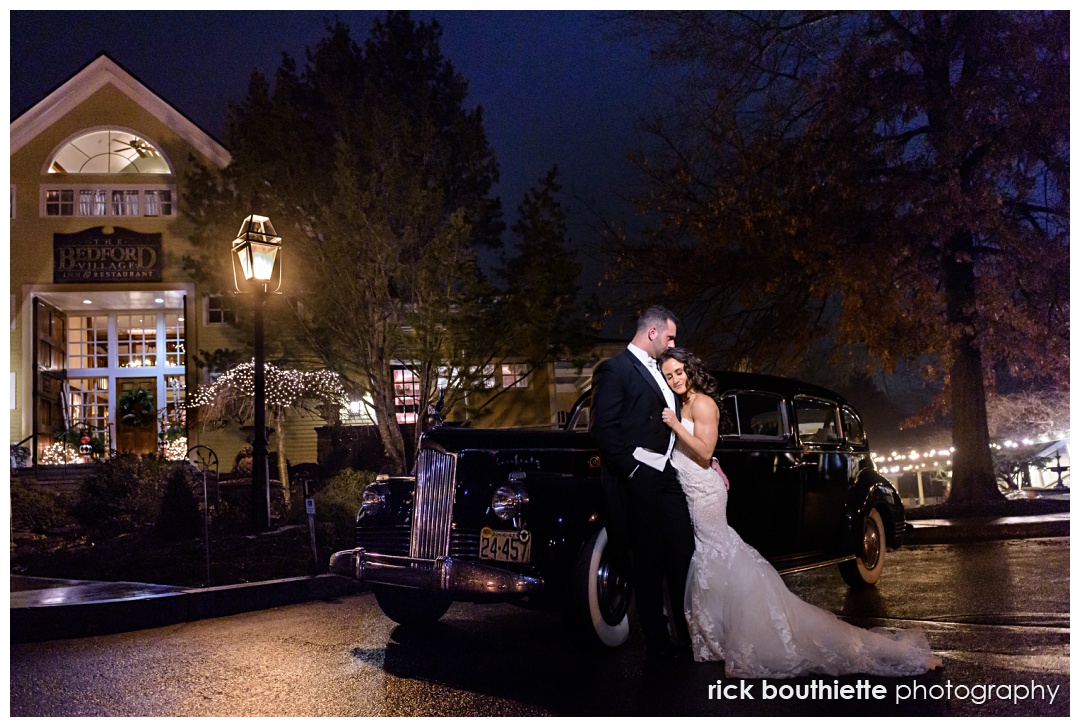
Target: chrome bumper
459	579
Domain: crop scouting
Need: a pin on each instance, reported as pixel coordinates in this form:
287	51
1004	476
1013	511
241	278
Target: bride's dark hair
700	378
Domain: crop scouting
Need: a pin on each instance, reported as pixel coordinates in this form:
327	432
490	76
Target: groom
646	508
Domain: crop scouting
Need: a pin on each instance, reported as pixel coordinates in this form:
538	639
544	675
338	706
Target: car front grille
395	541
433	504
384	541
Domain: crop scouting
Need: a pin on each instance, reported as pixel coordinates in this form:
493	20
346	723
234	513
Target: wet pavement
44	609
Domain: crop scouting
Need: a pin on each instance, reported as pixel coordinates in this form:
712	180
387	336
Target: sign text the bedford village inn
119	256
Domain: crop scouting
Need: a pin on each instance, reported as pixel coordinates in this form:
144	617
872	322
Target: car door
824	468
757	453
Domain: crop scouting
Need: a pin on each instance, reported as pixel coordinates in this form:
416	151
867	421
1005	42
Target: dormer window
109	151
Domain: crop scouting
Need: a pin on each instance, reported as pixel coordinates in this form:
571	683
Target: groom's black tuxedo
645	508
626	406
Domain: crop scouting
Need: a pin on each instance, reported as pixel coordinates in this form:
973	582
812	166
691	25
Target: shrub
123	494
336	505
37	510
179	517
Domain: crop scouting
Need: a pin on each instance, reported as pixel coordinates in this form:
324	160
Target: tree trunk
973	468
382	394
282	459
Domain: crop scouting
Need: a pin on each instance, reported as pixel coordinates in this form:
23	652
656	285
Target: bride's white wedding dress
740	611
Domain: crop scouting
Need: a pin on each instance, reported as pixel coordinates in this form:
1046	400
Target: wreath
136	407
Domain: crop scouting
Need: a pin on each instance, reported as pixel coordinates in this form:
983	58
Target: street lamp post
257	270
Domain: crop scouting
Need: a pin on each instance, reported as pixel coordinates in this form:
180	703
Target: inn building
105	322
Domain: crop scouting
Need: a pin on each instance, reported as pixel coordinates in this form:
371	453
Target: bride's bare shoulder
705	408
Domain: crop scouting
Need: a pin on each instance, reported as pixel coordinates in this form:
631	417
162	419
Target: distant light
181	319
88	302
159	300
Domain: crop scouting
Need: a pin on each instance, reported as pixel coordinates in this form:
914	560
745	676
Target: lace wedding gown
740	611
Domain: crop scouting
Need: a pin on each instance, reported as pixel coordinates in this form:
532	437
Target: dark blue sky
554	87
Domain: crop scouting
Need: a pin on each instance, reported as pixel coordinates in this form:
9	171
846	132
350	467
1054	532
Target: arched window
109	151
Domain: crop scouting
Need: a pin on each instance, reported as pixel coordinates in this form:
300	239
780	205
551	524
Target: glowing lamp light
256	254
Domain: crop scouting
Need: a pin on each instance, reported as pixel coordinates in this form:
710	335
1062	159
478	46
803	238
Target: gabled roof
99	72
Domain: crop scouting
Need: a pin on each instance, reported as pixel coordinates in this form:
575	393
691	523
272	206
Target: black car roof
737	380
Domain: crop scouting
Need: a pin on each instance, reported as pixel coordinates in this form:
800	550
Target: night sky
554	85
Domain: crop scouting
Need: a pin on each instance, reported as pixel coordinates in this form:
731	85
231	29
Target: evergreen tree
379	179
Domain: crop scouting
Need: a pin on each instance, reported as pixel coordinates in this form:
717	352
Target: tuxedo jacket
626	405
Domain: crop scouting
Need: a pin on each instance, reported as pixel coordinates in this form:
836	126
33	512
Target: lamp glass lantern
257	255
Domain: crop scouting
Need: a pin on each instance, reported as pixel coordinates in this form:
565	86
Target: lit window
108	200
515	376
136	340
406	395
88	342
125	203
109	151
175	395
88	405
175	354
158	202
92	202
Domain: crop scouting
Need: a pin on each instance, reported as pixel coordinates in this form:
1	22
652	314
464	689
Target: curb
47	620
96	618
976	532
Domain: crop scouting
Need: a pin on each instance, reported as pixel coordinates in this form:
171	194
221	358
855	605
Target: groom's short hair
656	315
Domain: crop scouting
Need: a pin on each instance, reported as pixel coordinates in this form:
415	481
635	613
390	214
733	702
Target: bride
737	606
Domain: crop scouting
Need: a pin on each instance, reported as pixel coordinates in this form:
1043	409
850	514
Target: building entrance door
48	365
136	415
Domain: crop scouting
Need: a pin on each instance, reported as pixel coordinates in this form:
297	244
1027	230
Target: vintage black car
512	515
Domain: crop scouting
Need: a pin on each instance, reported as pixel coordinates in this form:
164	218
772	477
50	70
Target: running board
812	566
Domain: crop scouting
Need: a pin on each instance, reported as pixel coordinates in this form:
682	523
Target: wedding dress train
739	610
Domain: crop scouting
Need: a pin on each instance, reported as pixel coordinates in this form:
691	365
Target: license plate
511	546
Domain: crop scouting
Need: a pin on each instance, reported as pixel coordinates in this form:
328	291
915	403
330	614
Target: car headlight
373	499
509	500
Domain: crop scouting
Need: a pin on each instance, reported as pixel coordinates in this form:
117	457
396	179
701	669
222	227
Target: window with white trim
175	355
515	376
88	405
107	200
88	342
175	396
136	340
59	202
218	311
157	203
407	395
109	151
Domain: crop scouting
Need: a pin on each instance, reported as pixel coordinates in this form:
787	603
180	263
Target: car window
757	414
816	420
729	418
853	428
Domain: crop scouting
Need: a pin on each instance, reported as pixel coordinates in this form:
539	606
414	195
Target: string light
176	450
922	461
60	453
284	388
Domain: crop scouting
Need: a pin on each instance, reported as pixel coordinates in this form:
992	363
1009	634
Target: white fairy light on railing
59	453
925	461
